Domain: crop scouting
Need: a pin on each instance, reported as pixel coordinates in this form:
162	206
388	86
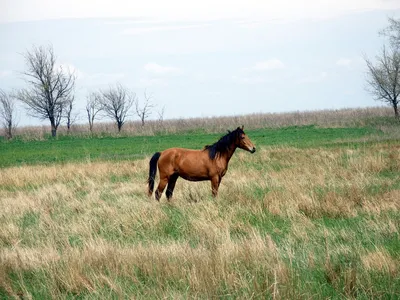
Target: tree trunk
9	131
53	128
68	125
396	111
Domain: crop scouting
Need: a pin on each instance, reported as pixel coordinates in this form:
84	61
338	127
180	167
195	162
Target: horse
210	163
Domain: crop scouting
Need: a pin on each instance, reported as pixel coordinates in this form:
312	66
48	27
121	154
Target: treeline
49	94
348	117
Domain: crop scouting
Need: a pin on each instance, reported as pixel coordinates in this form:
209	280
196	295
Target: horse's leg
161	186
215	181
171	185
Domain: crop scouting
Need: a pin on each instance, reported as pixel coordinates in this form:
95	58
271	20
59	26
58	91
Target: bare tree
71	118
392	31
160	114
50	89
145	111
7	113
93	107
116	103
383	76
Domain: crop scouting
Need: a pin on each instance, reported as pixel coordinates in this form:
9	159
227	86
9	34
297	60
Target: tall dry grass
288	223
325	118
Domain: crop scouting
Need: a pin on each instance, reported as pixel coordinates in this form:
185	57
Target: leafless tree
116	103
145	111
50	87
160	114
383	76
71	118
392	31
93	107
7	113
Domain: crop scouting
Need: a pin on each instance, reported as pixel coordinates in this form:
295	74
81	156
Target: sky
203	58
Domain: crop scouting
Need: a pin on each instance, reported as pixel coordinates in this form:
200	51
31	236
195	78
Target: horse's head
243	141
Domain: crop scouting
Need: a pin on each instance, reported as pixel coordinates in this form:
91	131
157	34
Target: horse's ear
229	131
242	127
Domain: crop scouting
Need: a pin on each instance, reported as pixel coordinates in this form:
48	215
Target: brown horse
211	163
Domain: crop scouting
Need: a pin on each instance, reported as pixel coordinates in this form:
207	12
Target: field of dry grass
288	223
324	118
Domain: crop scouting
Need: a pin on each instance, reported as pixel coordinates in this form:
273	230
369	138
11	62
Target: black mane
223	143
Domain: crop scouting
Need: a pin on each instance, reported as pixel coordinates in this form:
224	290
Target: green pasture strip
71	148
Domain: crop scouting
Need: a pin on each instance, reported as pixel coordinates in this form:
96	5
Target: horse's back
178	155
188	163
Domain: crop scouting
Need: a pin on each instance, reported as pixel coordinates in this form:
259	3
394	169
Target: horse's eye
242	137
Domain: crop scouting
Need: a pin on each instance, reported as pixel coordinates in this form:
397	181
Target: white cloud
105	77
142	30
351	63
249	79
345	62
148	82
5	73
156	74
201	77
135	22
155	68
186	10
250	24
91	78
257	73
314	78
71	69
271	64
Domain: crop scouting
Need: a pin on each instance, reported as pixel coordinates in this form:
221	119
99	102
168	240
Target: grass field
76	148
314	213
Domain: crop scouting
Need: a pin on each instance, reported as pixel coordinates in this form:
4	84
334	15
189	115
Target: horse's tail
153	171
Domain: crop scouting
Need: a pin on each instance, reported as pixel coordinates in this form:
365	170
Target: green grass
72	148
262	231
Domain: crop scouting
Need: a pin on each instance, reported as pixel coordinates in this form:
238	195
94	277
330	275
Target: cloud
250	79
350	63
178	10
157	69
249	24
257	73
314	78
136	21
148	82
156	74
5	73
271	64
105	77
143	30
345	62
71	69
91	78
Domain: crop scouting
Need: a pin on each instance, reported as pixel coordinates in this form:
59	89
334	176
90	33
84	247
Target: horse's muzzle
253	150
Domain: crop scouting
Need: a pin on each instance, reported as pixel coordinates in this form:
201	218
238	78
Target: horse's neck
228	154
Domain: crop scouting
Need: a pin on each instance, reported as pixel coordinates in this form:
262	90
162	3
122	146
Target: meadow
314	213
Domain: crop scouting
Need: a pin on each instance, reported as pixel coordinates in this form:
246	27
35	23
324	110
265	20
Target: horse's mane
223	143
